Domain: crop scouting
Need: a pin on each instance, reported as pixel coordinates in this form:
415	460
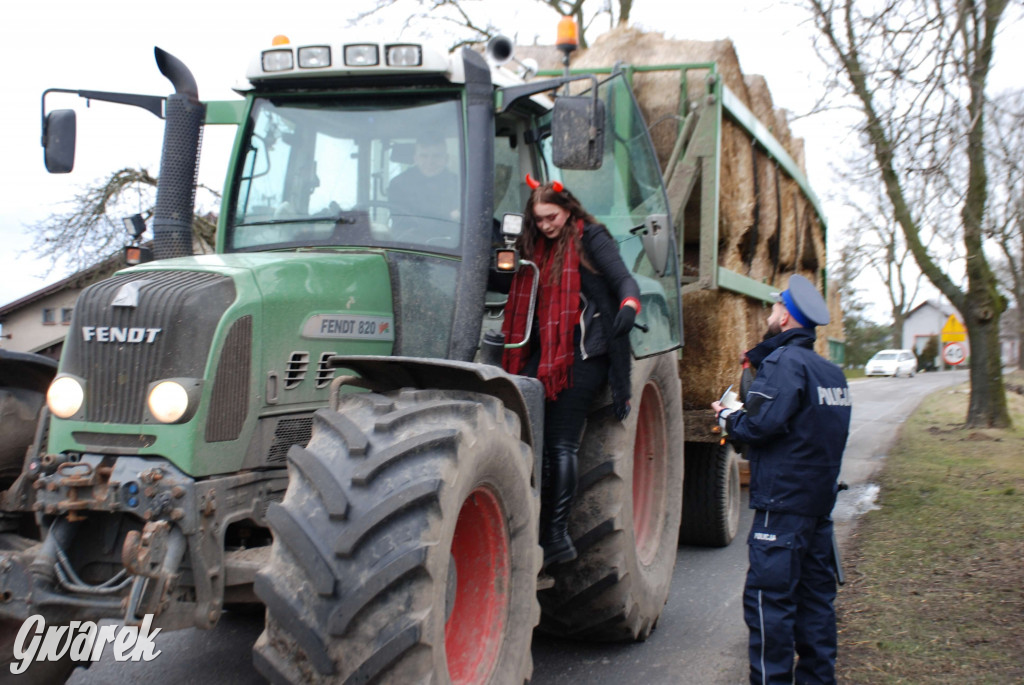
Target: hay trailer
745	219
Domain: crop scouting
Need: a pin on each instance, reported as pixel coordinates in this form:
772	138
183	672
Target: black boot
557	492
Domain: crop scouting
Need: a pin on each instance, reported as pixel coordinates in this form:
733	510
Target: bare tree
1005	222
470	23
918	70
875	249
90	230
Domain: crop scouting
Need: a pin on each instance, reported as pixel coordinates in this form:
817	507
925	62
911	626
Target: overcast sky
108	45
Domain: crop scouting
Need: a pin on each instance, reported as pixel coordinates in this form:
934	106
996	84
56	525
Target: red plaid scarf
558	312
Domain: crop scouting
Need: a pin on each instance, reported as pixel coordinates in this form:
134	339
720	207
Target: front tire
405	549
625	520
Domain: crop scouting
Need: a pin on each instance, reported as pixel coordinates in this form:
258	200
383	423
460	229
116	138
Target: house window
65	315
48	316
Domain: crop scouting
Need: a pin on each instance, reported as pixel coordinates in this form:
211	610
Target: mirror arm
150	103
512	94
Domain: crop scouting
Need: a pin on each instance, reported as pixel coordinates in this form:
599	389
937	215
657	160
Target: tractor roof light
314	57
65	397
278	60
404	55
362	55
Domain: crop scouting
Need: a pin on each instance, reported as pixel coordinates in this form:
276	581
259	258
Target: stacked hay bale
767	229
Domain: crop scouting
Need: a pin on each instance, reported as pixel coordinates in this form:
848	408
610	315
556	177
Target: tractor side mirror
577	132
59	141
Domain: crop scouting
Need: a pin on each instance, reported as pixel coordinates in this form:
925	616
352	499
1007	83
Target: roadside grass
854	373
935	576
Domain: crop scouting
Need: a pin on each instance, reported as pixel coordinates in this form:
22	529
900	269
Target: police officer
795	420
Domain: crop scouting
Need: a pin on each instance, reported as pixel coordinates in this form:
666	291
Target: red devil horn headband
534	184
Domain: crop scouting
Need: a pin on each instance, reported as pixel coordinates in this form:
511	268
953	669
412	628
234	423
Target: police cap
804	302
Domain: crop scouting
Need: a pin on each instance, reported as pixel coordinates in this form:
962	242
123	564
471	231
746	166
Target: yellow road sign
953	331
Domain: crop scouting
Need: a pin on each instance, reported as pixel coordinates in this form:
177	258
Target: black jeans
565	415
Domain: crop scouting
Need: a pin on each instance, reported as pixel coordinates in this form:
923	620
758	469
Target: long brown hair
527	241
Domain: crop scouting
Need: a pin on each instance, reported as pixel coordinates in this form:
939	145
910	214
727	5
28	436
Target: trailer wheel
405	549
625	520
711	495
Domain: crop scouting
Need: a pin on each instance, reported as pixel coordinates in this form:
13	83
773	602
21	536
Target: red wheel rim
475	629
649	469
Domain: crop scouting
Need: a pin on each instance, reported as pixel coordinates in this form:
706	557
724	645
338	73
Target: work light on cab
65	397
314	57
277	60
361	55
404	56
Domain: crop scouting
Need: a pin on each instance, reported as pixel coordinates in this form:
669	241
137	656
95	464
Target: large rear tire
405	549
711	495
625	520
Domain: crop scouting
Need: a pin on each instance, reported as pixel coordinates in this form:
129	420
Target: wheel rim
650	464
733	485
475	630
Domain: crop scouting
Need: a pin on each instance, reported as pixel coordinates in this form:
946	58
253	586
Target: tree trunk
897	327
625	7
987	407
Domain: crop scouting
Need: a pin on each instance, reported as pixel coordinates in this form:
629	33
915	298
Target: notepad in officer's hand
730	400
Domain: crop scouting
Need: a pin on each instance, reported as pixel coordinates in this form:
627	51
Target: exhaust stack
179	161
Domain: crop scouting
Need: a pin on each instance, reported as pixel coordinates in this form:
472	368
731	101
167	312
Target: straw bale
760	99
658	92
834	330
764	265
718	327
736	196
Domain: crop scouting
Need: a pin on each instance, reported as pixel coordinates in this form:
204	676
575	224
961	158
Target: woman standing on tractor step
587	303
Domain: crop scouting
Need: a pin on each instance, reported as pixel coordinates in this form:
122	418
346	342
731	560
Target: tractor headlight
173	401
65	397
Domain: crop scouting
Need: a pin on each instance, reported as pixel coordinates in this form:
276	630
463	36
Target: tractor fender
520	394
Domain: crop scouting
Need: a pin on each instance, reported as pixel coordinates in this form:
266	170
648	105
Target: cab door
626	194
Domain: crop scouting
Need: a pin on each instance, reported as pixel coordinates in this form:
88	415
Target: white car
892	363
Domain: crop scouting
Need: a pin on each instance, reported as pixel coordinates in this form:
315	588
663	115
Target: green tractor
308	418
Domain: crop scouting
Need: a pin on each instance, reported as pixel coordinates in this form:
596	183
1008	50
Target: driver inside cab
425	197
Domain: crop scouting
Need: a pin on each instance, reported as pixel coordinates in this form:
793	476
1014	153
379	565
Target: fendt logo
117	334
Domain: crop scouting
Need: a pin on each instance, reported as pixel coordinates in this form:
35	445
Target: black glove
624	321
622	410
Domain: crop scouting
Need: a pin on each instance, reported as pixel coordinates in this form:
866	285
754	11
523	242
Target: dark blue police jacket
795	419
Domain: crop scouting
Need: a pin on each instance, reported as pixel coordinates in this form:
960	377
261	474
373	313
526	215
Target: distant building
928	320
39	321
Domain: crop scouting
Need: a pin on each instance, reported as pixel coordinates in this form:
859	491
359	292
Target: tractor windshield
366	171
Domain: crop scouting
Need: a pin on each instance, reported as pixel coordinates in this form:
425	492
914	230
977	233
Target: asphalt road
700	638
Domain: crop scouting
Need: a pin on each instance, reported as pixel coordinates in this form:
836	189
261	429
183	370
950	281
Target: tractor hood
247	337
